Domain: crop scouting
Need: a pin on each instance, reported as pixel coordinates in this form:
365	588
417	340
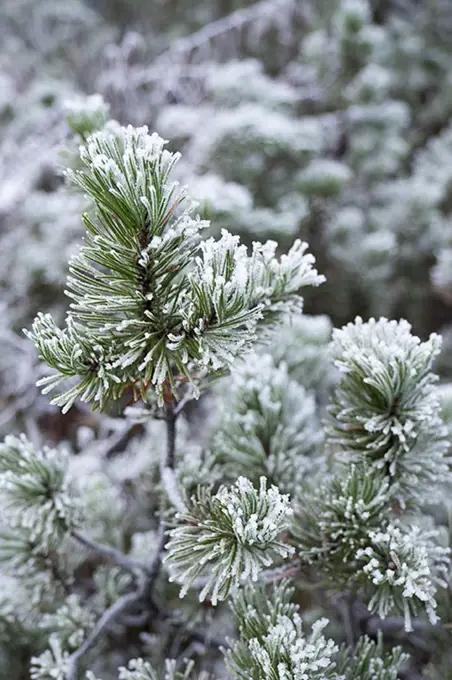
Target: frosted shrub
158	313
222	486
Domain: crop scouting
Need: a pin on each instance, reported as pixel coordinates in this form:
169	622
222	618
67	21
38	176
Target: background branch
104	623
128	563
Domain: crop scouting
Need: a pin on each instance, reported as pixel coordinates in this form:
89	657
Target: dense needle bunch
334	522
405	567
346	530
228	537
272	642
36	492
153	306
268	426
369	662
138	669
284	652
52	664
71	622
398	568
386	410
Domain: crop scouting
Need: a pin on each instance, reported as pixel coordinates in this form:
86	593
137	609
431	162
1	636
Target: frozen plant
166	508
235	533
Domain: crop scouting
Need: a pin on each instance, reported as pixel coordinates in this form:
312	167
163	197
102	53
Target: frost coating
405	567
284	653
334	522
86	114
268	425
386	408
151	305
372	78
36	491
228	537
52	664
272	641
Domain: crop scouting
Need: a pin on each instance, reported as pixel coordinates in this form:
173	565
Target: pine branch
385	411
344	605
156	564
368	660
346	530
394	625
272	641
228	537
119	441
183	402
170	418
167	463
201	636
153	306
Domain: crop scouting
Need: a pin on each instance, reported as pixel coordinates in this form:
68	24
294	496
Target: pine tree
158	313
197	454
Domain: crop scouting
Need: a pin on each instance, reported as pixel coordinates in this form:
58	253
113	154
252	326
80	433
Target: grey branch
151	572
203	637
183	402
344	606
170	417
128	563
105	621
155	566
394	625
233	22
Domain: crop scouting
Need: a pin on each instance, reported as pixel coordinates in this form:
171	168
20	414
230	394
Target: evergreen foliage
269	426
139	318
405	569
212	440
369	662
349	534
385	408
36	494
235	532
272	642
154	308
